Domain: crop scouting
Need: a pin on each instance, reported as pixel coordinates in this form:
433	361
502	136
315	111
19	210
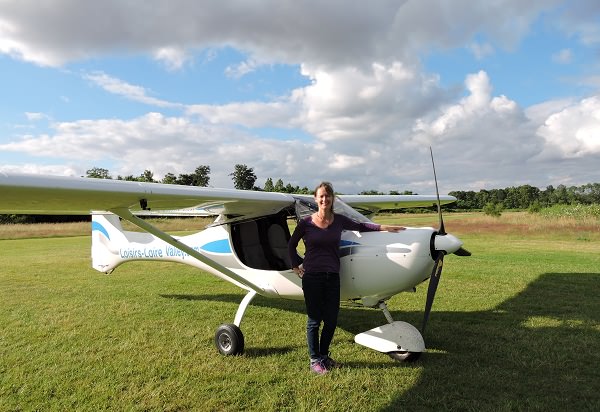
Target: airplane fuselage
374	265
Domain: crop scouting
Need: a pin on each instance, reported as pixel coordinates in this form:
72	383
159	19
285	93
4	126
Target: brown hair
329	189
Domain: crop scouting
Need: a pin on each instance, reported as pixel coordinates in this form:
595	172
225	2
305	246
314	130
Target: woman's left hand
392	228
299	271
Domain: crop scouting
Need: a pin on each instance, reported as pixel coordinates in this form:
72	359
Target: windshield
305	206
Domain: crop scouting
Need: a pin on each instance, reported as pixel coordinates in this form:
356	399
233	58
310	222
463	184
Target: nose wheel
404	356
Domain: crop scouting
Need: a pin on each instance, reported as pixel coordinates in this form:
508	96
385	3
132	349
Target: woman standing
321	233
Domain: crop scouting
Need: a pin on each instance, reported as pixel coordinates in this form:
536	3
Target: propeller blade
441	230
462	252
434	279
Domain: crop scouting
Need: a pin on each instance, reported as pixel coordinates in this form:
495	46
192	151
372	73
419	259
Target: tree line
527	196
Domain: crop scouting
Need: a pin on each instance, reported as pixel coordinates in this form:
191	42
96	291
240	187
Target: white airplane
247	243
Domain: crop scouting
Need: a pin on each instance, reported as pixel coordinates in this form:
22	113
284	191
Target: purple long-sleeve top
322	246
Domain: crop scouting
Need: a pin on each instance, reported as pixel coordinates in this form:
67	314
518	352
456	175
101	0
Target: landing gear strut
229	338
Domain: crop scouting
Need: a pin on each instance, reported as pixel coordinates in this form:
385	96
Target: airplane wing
37	194
375	203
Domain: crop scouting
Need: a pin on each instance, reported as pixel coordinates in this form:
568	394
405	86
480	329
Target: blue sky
506	94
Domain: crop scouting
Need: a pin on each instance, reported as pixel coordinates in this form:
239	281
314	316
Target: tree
561	195
147	176
527	195
269	185
185	179
201	176
279	187
465	199
243	177
169	179
98	173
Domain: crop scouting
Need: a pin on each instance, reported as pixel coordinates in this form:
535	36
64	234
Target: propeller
441	230
438	255
434	280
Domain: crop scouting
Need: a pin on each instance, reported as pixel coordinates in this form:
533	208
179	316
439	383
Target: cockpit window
305	206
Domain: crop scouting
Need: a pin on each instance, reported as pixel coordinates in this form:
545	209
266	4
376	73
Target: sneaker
318	366
330	363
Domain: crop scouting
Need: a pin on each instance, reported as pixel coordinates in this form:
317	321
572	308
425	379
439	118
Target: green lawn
516	326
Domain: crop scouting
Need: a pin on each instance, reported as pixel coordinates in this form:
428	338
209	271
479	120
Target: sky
505	92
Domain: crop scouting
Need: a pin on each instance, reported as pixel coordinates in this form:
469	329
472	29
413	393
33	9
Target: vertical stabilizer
107	235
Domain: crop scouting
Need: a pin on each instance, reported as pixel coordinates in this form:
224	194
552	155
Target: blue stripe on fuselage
218	246
97	226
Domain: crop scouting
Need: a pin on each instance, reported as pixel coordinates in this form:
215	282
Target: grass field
516	326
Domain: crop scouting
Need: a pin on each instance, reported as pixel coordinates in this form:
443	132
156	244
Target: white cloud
156	142
575	130
36	117
243	68
484	133
481	132
481	50
581	19
34	168
336	33
370	104
249	114
174	58
341	161
564	56
127	90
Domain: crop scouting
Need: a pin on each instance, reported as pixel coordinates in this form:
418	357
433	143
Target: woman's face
323	199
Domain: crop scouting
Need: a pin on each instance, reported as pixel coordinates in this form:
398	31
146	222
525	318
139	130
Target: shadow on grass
262	352
352	319
536	351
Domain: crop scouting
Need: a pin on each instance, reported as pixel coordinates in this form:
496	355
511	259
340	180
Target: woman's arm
391	228
350	224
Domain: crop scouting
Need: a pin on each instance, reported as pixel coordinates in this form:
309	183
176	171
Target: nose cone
448	243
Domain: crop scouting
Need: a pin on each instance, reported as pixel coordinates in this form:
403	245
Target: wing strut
142	224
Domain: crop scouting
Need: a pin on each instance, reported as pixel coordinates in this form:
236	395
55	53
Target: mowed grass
516	326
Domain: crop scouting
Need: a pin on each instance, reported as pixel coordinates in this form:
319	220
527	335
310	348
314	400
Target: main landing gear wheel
229	340
404	356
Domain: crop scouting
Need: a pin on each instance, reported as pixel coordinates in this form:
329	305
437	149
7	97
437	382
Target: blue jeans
322	299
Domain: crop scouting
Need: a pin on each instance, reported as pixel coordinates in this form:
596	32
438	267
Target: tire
404	356
229	340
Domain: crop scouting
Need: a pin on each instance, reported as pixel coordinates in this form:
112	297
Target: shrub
535	207
493	209
573	211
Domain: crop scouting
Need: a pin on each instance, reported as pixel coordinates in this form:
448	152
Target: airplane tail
110	241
